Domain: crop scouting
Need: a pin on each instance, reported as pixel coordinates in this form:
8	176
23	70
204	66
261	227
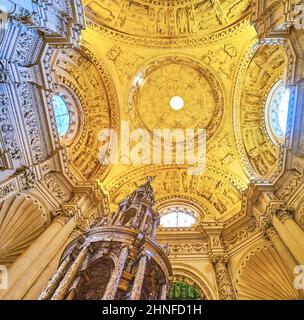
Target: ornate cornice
191	41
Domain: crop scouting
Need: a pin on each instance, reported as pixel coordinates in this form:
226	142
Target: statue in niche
129	266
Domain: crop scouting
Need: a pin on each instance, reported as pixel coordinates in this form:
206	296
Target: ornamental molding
191	41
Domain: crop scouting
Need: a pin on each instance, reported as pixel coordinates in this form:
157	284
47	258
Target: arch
259	155
82	73
93	285
220	197
22	221
177	217
262	275
194	276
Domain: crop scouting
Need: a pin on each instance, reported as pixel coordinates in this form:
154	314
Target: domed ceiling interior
138	55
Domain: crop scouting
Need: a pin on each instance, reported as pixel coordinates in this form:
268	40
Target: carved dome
150	100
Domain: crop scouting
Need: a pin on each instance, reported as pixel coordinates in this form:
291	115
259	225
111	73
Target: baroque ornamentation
225	287
188	248
109	268
265	69
77	71
164	78
240	236
159	19
218	197
7	129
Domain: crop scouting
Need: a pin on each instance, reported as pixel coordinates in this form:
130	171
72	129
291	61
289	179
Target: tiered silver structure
117	259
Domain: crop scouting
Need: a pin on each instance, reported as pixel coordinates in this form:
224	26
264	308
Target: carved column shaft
163	292
139	279
116	275
54	282
224	283
143	223
153	235
70	276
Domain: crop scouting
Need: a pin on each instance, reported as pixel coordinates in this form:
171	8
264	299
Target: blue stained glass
62	115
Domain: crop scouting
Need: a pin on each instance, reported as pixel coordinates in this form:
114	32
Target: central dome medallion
176	93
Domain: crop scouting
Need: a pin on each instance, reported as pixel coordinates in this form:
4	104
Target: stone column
224	283
139	278
290	232
113	283
70	276
54	282
163	292
24	272
282	250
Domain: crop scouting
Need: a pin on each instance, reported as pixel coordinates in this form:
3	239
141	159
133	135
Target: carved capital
284	213
219	259
271	233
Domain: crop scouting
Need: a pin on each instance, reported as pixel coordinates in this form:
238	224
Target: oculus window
62	115
277	111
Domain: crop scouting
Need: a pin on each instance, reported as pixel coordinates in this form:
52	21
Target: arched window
177	218
62	115
277	111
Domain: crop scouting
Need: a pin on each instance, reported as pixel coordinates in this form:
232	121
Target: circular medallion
176	93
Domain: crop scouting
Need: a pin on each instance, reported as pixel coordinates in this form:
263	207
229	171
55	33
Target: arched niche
262	275
22	220
260	69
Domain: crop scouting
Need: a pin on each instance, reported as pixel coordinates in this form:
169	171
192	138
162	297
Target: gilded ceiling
165	18
149	99
128	69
